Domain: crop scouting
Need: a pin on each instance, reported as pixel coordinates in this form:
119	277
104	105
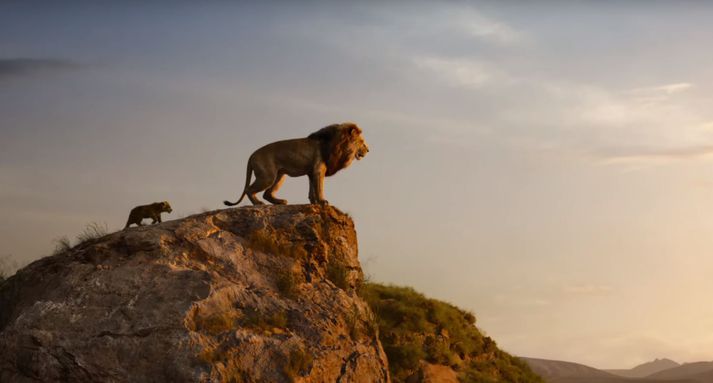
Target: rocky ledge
263	294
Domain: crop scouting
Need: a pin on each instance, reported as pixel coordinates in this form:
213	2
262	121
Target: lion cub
152	211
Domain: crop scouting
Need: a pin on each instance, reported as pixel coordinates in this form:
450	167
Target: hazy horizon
547	167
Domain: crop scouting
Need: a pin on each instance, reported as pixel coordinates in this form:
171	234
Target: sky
548	166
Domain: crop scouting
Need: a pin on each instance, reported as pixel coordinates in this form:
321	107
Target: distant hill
699	371
702	377
646	369
549	369
555	371
427	340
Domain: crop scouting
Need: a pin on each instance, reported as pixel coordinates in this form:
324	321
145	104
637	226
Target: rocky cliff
262	294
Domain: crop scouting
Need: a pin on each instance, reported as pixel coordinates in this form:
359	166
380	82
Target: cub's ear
354	130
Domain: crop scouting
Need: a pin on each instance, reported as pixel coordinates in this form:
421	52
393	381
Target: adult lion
322	153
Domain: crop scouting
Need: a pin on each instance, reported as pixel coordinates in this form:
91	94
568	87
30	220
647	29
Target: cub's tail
130	220
248	175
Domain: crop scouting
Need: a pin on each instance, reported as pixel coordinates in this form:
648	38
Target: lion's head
341	144
164	206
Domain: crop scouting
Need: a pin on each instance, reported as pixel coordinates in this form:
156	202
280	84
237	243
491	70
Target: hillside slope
686	371
432	341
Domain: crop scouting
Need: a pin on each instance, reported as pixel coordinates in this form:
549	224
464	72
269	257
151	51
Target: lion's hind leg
270	192
263	180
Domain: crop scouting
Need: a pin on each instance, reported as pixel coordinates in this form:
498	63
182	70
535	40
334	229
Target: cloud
646	126
657	94
16	67
478	26
667	89
451	21
657	154
460	72
587	289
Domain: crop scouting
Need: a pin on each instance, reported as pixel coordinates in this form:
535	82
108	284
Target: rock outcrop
251	294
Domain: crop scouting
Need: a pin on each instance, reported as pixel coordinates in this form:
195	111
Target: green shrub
403	358
438	351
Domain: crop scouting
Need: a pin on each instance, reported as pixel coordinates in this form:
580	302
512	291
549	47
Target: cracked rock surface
253	294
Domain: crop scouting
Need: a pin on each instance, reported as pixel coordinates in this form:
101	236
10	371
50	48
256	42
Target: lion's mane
337	145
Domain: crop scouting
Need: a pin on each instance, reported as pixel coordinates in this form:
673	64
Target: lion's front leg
312	196
318	181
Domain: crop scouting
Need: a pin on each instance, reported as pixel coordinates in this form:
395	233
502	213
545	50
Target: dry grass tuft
92	231
268	241
61	245
265	322
214	323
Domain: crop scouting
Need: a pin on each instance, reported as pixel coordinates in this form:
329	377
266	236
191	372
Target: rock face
264	294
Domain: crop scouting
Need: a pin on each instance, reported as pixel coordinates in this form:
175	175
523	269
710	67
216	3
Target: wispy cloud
587	289
460	72
643	126
454	21
629	155
668	88
473	23
15	67
660	93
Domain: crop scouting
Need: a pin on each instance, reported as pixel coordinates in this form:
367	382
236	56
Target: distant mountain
549	369
699	371
646	369
555	371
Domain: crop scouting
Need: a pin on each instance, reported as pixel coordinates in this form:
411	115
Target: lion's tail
248	175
